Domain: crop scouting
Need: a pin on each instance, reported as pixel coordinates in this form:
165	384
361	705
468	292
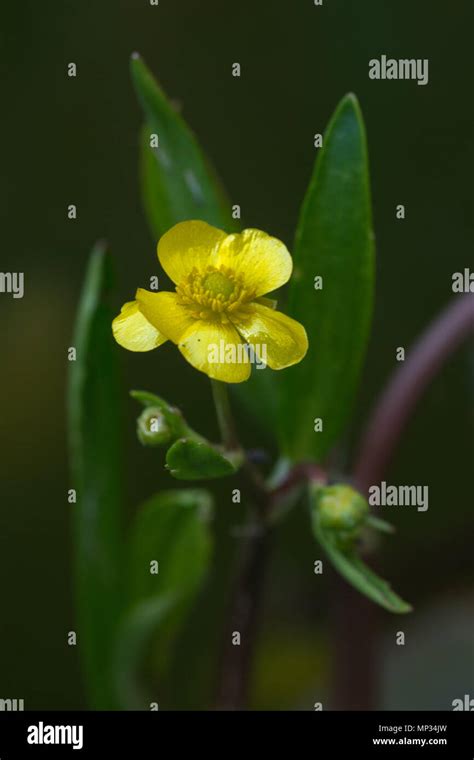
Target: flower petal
262	261
165	313
132	330
188	245
217	350
278	340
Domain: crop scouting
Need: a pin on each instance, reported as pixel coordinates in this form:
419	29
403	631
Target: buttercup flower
217	317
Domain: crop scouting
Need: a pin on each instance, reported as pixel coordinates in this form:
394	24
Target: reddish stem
407	385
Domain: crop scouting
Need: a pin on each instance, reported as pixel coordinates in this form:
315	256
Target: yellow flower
217	316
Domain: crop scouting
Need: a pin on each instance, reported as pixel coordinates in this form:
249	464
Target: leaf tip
400	610
351	101
137	65
99	249
351	97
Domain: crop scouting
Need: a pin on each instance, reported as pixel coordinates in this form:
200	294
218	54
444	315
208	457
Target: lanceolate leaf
94	443
169	556
334	241
178	182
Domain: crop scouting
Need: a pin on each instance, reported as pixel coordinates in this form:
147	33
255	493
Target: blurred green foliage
94	434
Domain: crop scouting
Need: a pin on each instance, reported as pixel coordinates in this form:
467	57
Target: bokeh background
75	141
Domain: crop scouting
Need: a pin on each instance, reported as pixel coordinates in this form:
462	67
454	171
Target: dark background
68	140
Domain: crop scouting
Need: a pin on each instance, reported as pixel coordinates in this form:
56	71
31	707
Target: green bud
152	427
341	508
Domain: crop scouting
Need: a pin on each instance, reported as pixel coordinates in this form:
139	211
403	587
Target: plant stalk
355	681
241	629
406	386
236	659
224	415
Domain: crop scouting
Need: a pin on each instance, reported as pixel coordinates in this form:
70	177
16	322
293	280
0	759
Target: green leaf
94	433
171	529
344	557
133	640
150	399
334	240
378	524
191	459
178	182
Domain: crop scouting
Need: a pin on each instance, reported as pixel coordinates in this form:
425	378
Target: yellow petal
262	261
217	350
278	340
188	245
132	330
165	313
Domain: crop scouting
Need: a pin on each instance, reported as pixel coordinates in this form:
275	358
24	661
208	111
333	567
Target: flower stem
246	601
224	415
235	666
235	669
393	410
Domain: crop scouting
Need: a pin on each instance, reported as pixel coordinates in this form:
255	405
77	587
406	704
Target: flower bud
341	508
152	427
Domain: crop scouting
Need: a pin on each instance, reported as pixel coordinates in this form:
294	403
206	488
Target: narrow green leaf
345	559
334	240
149	399
171	530
94	433
190	459
178	182
378	524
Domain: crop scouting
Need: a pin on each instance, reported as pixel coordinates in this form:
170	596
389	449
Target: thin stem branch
400	397
300	473
244	616
224	415
236	659
244	612
245	608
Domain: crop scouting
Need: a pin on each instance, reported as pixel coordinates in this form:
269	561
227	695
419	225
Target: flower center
213	294
218	284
